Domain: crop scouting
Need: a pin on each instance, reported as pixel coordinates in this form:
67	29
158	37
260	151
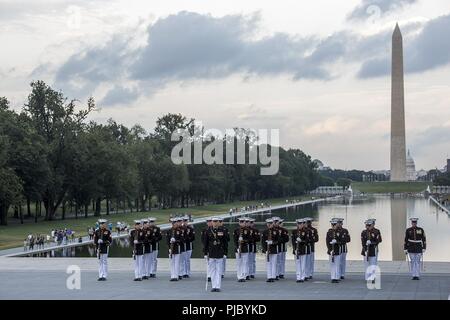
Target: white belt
415	241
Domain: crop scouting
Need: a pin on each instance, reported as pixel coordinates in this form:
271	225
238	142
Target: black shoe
281	276
153	276
223	276
342	278
103	279
100	279
252	277
306	279
180	277
144	278
373	281
137	279
300	281
415	278
269	280
241	280
213	290
217	290
174	279
186	276
247	278
209	279
334	281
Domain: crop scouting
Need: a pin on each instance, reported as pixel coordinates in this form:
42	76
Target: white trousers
103	265
224	266
215	266
343	264
416	259
186	263
370	267
334	267
175	266
271	266
147	263
154	261
242	265
300	266
139	266
252	263
310	264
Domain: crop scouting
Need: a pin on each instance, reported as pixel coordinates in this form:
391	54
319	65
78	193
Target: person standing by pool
241	242
300	241
333	240
415	246
102	239
226	239
314	237
370	238
137	241
156	231
343	248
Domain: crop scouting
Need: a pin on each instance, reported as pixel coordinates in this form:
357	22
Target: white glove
269	241
405	251
241	239
206	257
368	242
100	241
333	241
172	240
135	242
423	250
224	257
299	240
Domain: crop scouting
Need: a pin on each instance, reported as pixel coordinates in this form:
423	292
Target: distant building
410	168
375	176
421	173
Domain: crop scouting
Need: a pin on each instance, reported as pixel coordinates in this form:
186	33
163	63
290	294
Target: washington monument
398	148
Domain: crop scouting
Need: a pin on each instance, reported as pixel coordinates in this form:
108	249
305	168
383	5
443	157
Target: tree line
51	156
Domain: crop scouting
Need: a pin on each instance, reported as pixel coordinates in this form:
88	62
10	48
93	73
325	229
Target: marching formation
215	238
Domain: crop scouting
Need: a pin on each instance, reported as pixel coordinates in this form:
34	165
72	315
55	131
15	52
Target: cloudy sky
317	70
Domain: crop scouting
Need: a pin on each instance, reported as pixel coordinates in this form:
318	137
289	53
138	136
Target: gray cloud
188	46
430	137
119	95
363	10
427	50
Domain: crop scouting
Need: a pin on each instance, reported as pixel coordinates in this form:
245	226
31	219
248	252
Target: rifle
332	247
134	244
240	242
367	251
171	243
297	246
269	237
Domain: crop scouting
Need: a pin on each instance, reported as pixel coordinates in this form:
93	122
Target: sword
409	264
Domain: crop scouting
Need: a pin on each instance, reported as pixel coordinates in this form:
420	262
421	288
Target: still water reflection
392	216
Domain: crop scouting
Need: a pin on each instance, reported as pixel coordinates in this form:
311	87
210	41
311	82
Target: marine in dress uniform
175	239
343	248
147	248
415	246
269	243
256	238
189	238
370	238
314	237
300	245
241	241
102	240
215	250
284	239
227	240
156	231
333	240
203	239
137	238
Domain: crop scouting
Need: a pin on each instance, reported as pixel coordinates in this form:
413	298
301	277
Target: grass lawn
388	187
13	235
